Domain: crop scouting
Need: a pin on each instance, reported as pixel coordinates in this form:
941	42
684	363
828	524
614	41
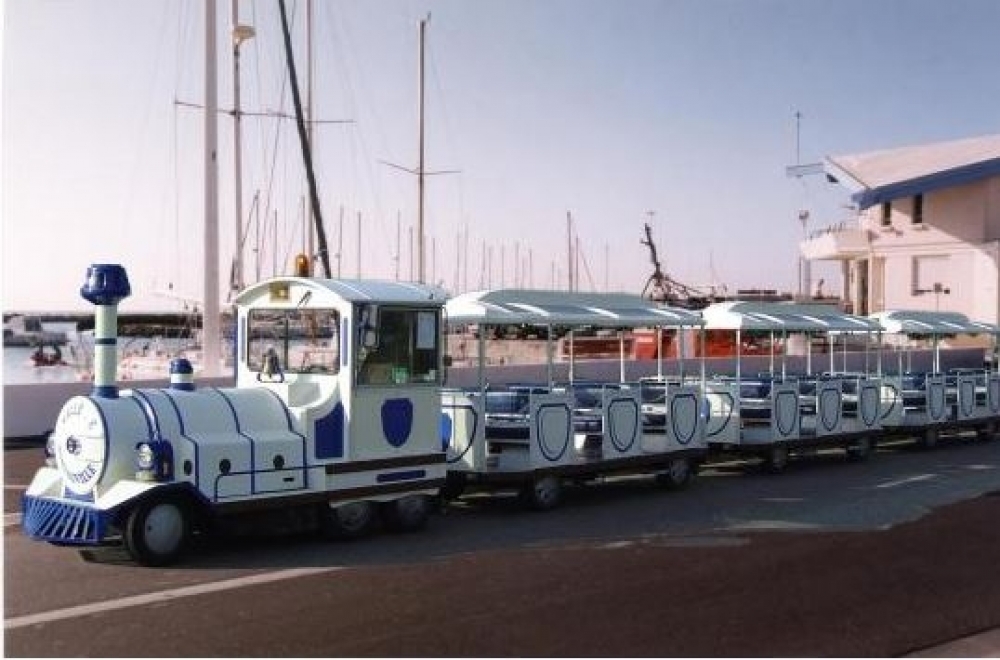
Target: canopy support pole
659	353
771	351
701	338
572	370
809	354
833	350
621	355
681	353
481	358
739	357
548	356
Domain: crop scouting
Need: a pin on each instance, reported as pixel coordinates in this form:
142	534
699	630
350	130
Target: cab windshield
294	340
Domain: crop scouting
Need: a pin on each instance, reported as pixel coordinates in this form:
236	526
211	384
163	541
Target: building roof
880	176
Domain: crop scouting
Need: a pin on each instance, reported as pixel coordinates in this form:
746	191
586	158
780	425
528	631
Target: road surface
884	558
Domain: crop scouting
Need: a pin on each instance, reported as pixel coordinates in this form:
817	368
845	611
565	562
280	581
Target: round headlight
145	458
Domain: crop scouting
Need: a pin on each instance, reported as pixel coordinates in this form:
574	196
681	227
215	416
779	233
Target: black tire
861	449
776	459
678	474
407	514
541	493
346	521
929	440
157	531
987	432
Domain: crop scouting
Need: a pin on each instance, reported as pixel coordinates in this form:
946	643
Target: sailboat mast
310	227
340	241
569	250
399	222
304	142
420	154
240	33
210	314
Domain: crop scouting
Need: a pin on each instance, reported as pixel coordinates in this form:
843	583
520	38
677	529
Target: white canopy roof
573	308
783	317
374	291
913	322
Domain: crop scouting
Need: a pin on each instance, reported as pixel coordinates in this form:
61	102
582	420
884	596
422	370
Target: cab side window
406	348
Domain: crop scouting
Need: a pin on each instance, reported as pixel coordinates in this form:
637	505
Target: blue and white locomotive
335	416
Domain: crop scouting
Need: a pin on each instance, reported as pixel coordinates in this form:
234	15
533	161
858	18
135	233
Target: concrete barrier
30	409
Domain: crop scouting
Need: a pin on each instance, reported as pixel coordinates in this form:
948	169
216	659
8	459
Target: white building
927	232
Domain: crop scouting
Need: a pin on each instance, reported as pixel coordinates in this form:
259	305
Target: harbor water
77	353
18	367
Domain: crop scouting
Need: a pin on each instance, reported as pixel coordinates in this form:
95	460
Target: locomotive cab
334	419
358	366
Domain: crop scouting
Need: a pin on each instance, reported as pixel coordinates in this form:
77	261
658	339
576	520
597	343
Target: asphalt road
883	558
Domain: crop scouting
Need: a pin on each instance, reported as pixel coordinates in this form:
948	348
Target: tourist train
345	411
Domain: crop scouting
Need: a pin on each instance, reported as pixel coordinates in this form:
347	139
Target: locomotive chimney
181	375
105	286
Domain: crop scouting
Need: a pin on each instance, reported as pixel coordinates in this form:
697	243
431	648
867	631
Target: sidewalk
983	645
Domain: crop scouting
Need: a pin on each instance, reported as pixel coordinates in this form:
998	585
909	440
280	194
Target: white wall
957	245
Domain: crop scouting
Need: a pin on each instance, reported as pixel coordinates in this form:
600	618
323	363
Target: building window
930	273
886	214
918	209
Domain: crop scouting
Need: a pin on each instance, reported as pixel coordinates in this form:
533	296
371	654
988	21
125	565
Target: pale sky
607	109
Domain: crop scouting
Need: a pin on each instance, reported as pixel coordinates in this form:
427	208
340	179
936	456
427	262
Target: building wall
992	194
949	262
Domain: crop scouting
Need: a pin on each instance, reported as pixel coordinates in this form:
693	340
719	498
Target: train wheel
776	459
677	475
929	439
860	449
157	532
347	521
407	514
988	432
541	493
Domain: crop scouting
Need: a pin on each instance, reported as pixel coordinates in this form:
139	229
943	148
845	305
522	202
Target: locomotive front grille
63	522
